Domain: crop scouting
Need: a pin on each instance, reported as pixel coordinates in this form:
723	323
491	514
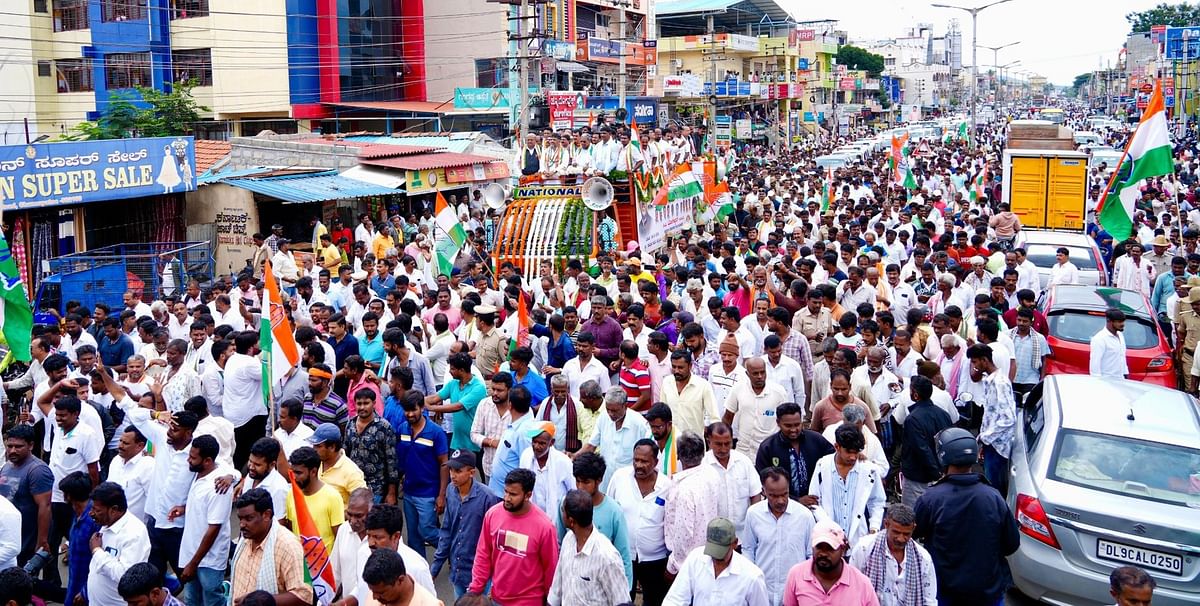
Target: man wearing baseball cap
466	502
826	579
717	575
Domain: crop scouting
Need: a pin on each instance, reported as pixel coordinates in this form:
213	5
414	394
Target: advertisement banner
477	172
846	83
485	98
424	181
1182	44
656	223
562	108
722	131
49	174
806	35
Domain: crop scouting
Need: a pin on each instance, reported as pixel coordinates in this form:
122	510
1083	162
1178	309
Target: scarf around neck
265	579
877	563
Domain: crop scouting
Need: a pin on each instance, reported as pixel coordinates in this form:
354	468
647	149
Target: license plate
1142	557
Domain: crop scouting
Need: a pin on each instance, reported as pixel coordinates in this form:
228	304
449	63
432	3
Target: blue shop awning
311	188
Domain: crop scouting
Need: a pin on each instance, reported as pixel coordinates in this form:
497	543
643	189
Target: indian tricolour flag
318	571
449	237
279	351
682	184
1148	155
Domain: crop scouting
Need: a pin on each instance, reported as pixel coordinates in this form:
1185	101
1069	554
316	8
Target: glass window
70	15
193	65
491	73
370	64
187	9
74	75
1081	326
1035	419
127	70
123	10
1128	467
1044	255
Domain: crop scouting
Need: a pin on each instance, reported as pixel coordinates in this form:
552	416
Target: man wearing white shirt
10	533
1063	271
384	525
121	542
1132	272
717	575
292	433
751	404
640	490
585	366
204	545
891	559
549	465
132	470
1027	272
350	539
1107	357
778	532
604	154
242	403
261	473
739	484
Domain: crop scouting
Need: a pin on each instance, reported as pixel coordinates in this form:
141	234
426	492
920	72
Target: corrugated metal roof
311	188
422	107
675	7
430	161
257	171
369	149
455	145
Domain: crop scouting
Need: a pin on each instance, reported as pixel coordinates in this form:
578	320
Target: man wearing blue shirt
421	452
461	396
116	347
524	376
513	441
466	503
370	344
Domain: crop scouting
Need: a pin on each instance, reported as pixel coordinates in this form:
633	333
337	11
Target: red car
1074	313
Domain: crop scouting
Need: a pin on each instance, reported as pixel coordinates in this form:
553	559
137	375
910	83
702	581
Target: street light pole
974	55
996	55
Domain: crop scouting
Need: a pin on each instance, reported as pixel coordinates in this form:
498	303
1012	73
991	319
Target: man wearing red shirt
634	378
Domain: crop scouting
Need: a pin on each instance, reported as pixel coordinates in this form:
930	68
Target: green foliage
1171	15
165	114
854	57
1081	80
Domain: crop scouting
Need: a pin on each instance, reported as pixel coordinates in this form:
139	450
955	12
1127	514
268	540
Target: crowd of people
791	406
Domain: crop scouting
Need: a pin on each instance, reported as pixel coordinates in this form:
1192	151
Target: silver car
1041	246
1106	473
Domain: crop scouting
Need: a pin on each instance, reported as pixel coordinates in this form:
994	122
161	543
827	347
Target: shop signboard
51	174
742	129
802	64
1182	43
846	84
477	172
485	98
562	107
722	131
806	35
424	181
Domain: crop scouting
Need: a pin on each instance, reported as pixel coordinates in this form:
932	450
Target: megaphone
494	196
597	194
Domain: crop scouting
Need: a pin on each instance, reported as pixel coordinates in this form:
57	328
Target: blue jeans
206	589
995	469
420	516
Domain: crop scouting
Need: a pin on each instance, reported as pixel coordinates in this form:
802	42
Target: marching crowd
789	406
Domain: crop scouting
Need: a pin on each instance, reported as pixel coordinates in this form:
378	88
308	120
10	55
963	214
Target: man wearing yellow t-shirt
323	502
328	255
337	470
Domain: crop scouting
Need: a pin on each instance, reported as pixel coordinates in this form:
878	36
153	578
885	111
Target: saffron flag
279	351
1147	155
827	196
317	570
449	237
15	310
520	337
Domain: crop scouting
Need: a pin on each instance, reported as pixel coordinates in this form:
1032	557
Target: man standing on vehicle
1107	357
961	504
1132	272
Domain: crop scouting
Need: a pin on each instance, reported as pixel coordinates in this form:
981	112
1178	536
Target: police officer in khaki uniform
1187	325
814	325
489	345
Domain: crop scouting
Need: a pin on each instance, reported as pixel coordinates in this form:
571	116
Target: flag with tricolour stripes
1148	155
450	235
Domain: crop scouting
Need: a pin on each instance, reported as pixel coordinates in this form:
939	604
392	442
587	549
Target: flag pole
1124	156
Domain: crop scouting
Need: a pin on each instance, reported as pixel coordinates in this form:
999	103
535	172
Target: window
1128	467
193	66
74	75
70	15
43	69
491	73
122	10
127	70
40	6
187	9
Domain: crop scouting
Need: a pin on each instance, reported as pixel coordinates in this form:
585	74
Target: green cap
720	538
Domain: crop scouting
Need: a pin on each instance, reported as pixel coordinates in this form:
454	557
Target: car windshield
1081	326
1044	255
1129	467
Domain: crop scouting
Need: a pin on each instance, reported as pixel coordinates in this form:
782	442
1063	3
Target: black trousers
164	547
62	517
245	437
651	576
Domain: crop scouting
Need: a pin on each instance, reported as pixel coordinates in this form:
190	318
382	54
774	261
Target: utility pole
621	59
974	56
712	92
523	72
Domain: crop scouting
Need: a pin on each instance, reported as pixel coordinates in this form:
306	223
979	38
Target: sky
1059	39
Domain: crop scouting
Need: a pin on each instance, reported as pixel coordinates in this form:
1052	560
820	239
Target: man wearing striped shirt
590	571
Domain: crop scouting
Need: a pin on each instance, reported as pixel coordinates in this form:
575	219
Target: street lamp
974	55
1000	82
996	52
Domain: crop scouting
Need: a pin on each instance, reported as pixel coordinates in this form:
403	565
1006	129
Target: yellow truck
1046	188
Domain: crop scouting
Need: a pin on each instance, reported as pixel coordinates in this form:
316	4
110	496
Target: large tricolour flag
681	184
1148	155
279	351
317	571
15	311
450	235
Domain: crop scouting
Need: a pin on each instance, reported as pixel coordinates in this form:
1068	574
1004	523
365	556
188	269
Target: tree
857	58
1171	15
158	114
